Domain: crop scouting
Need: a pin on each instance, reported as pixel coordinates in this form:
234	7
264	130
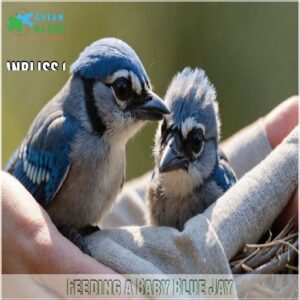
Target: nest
278	255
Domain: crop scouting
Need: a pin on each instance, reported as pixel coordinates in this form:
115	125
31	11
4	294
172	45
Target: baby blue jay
191	172
73	158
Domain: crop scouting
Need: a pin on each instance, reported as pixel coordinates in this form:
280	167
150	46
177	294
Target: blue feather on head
191	94
106	56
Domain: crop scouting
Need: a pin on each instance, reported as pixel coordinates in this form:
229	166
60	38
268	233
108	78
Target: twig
276	265
273	243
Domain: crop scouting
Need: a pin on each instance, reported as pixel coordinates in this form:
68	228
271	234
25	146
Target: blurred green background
249	51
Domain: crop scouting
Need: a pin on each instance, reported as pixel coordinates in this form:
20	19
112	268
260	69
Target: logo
37	23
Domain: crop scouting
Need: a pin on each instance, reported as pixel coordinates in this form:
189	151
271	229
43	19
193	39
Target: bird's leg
75	237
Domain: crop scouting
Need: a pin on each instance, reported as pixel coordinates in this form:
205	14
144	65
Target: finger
281	121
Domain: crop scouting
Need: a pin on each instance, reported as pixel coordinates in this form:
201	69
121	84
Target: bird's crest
107	56
191	98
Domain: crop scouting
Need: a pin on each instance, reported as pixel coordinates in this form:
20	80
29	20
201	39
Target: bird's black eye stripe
163	126
166	133
97	123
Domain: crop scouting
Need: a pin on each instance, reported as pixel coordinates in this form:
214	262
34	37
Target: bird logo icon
16	23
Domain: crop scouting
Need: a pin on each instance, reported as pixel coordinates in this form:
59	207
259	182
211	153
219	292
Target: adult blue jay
191	172
73	158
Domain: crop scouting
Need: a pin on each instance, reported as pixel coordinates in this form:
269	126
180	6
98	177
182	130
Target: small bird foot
89	229
75	237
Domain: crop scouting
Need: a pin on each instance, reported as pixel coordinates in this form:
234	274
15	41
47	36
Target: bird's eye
123	89
195	140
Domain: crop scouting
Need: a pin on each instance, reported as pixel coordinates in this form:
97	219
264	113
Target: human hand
278	124
30	241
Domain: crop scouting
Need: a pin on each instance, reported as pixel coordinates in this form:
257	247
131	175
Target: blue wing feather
43	160
223	174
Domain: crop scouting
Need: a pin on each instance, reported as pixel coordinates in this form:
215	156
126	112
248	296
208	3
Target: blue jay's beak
152	109
172	158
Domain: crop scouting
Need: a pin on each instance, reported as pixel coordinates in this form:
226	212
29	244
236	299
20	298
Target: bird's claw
76	238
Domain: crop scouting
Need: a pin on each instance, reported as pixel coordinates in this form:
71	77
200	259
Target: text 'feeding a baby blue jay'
73	158
191	171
